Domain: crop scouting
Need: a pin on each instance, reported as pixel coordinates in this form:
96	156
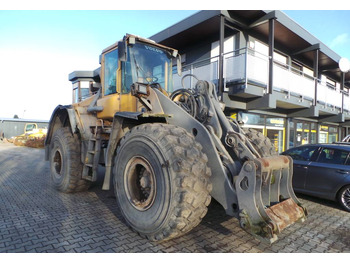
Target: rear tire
65	164
161	181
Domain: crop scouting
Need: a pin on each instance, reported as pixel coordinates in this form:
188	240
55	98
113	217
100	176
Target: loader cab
84	84
130	61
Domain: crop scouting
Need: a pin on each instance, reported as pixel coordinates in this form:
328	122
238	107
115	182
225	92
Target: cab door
114	97
128	102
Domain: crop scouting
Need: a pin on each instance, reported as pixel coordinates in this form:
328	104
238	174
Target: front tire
260	142
65	164
344	198
161	181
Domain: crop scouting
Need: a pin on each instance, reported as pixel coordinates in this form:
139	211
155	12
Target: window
301	153
30	127
330	83
333	156
279	59
297	68
308	72
110	78
148	65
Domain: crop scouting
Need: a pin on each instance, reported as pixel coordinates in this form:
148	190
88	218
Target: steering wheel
151	79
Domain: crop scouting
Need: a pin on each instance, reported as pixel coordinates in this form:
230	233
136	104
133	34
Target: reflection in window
148	65
333	156
111	66
302	153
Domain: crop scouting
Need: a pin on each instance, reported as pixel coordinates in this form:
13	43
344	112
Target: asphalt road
35	218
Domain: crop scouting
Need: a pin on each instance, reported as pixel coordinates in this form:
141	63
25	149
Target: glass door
276	136
275	130
305	133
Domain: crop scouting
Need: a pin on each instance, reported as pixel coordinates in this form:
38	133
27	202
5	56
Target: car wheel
344	197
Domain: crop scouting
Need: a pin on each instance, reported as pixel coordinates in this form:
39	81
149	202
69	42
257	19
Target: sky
332	27
39	48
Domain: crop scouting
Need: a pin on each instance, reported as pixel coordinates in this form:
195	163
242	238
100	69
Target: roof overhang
290	38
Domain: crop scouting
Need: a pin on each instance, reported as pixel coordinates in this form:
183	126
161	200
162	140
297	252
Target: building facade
272	74
10	127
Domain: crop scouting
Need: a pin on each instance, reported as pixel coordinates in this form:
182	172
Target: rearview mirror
179	66
122	51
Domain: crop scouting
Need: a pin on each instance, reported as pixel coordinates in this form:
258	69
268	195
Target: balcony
246	77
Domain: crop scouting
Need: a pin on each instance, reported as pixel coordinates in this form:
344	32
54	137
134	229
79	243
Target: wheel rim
345	198
57	162
139	182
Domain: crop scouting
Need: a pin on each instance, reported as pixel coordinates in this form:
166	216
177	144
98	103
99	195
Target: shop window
305	133
332	129
313	134
253	119
328	134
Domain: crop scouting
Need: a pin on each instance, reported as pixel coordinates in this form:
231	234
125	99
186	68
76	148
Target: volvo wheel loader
167	153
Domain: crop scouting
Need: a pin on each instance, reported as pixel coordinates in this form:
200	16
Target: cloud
340	40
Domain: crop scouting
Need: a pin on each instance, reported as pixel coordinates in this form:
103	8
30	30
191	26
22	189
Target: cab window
30	127
110	78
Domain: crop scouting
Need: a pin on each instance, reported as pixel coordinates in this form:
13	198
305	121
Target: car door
327	172
302	156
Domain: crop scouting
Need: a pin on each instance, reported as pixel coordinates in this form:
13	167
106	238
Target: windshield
147	64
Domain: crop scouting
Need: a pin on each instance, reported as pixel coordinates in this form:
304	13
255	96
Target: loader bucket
267	203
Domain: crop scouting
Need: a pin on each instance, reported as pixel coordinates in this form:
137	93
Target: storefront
272	127
302	132
290	132
328	134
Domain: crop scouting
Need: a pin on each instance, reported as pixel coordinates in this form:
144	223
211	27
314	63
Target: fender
116	135
62	116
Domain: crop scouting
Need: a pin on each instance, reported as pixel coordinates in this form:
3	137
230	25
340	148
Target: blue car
322	170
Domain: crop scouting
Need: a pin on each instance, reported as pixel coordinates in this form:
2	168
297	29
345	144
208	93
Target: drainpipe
271	49
316	56
342	91
221	57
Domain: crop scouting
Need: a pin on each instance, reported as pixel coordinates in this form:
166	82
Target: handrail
256	54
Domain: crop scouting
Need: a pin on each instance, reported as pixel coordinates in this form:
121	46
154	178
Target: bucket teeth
266	199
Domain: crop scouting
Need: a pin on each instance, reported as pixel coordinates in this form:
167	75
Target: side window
333	156
302	153
127	79
111	66
30	127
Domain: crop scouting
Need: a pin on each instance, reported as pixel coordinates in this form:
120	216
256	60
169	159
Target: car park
322	170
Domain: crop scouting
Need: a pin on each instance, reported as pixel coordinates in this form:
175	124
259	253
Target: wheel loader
167	152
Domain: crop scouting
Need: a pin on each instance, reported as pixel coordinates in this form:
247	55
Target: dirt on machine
167	151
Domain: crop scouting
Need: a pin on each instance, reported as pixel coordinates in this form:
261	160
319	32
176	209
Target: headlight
139	89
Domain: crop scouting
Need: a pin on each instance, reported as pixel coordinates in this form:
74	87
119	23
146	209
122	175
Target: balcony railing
247	66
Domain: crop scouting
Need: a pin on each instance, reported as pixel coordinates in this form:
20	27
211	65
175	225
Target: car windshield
148	64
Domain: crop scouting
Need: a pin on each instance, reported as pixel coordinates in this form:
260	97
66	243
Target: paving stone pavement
35	218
